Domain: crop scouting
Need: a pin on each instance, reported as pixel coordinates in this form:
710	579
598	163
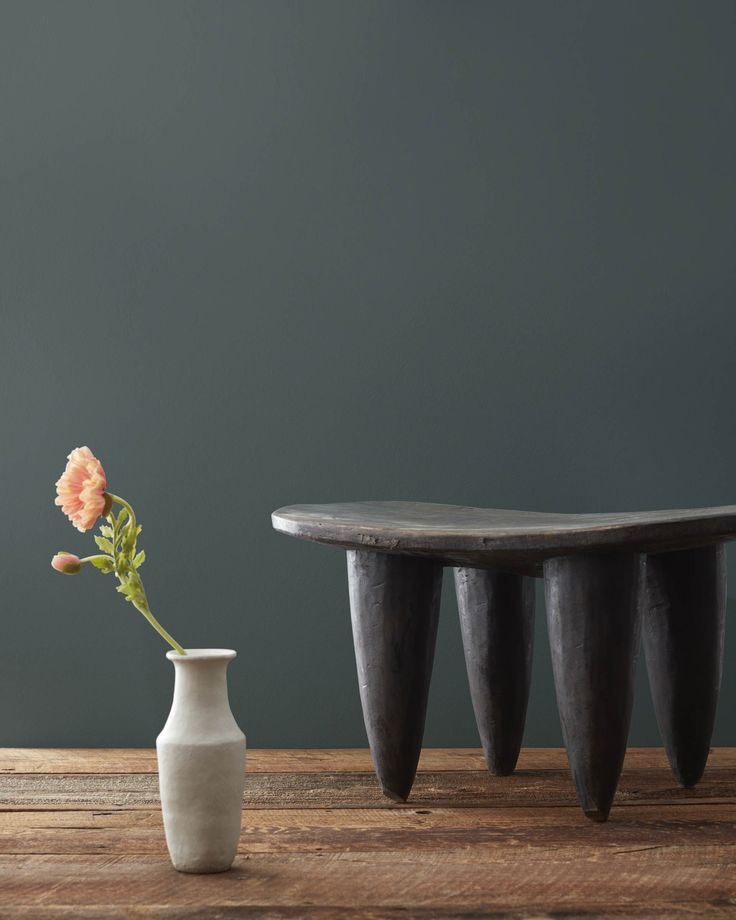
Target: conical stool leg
683	641
594	617
394	603
497	624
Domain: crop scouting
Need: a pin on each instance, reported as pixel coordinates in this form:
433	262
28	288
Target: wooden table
609	579
81	837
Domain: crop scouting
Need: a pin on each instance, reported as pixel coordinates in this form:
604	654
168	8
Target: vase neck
200	707
201	684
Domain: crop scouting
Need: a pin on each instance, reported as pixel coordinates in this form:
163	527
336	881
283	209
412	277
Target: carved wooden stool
605	575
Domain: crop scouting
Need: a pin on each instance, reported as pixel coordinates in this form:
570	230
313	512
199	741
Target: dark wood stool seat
606	577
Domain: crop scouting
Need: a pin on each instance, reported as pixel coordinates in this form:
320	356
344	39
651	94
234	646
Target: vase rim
203	654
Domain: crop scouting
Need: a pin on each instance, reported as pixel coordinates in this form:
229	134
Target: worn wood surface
81	836
508	540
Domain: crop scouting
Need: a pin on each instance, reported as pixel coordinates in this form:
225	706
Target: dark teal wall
257	253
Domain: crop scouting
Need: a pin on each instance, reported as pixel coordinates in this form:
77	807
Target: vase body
201	765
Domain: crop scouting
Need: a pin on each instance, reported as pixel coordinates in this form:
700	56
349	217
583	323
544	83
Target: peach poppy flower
67	563
81	490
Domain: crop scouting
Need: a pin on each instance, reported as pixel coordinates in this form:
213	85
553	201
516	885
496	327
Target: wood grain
663	911
319	840
515	879
143	760
355	790
295	830
314	760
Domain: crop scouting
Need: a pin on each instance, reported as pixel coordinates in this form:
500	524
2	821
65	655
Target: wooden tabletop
461	535
81	836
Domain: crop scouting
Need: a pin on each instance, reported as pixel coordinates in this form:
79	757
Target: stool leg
497	624
394	603
594	616
683	642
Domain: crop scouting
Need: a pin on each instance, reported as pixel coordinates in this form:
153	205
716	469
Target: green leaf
122	516
139	559
132	588
106	531
104	545
104	563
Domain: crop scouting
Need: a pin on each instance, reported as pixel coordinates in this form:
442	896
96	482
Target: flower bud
67	563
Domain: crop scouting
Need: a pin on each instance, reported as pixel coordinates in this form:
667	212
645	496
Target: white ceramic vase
201	764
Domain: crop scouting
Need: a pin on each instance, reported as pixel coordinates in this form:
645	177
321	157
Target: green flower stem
158	627
121	501
141	602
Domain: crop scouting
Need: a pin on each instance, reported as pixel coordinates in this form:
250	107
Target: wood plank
373	830
501	847
342	790
77	760
381	818
515	879
663	911
282	760
143	760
